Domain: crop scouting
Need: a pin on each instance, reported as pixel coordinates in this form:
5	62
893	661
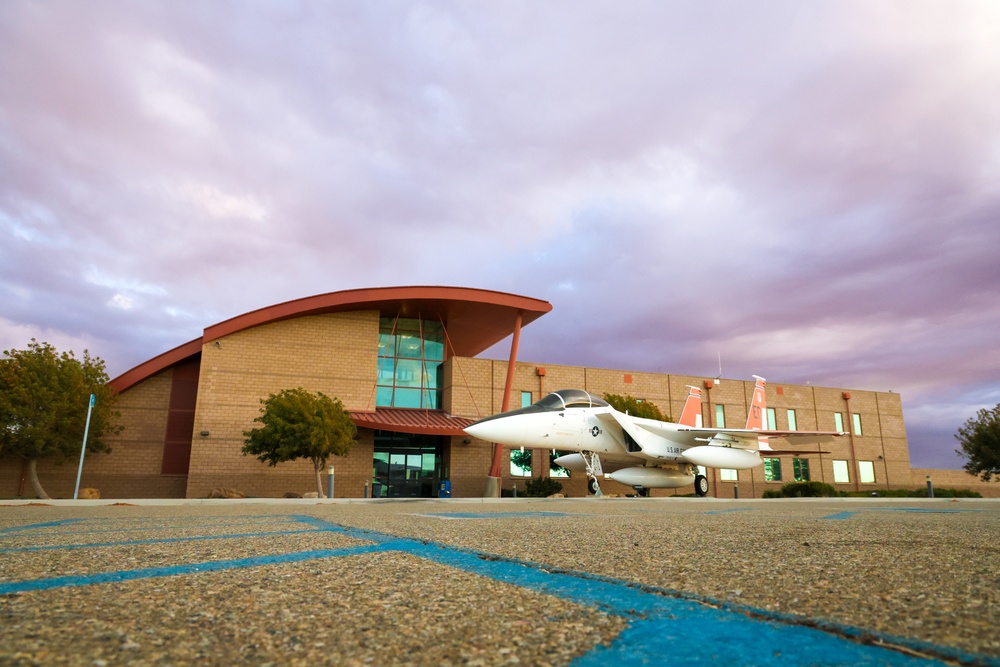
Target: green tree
296	424
980	440
635	407
44	399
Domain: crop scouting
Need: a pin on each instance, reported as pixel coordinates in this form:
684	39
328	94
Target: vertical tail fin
758	410
691	414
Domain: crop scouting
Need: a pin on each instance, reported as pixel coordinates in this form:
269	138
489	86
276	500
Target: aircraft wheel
642	492
701	485
592	485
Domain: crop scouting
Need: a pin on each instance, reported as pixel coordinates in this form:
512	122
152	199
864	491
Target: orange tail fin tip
691	414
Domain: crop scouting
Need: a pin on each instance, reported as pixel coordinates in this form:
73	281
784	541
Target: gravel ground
931	575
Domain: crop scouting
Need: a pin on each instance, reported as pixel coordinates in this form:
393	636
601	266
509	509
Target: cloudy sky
810	190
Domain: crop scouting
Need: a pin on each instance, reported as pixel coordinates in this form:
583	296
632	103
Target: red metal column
497	467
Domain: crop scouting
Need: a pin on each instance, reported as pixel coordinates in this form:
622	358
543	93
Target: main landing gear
594	472
701	485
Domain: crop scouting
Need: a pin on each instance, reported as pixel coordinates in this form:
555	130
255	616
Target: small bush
542	487
803	490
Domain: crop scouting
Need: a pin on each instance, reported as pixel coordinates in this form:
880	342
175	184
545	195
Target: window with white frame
841	472
857	423
772	420
838	422
720	416
866	472
728	475
520	462
792	424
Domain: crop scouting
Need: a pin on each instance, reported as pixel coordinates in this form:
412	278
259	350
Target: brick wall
332	353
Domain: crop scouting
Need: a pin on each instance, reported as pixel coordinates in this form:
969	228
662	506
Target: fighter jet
641	453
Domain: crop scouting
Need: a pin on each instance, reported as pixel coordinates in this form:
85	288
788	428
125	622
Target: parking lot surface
596	581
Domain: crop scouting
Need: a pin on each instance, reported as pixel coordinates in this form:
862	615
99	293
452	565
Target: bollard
329	482
930	487
736	491
366	488
515	489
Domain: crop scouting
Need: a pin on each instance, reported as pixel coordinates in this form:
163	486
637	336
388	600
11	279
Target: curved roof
475	319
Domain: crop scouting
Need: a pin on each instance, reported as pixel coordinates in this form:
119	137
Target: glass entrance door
405	465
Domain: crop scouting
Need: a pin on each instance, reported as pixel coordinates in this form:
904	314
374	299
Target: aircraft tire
642	492
701	485
592	486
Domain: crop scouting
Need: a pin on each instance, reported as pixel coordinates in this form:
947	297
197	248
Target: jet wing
794	437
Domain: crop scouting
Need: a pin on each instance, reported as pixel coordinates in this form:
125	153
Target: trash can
444	491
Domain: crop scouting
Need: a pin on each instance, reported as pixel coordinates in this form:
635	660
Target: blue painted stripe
494	515
35	526
917	510
735	509
174	570
664	625
127	543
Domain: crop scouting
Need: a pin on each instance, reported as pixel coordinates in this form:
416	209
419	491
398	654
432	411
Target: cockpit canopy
570	398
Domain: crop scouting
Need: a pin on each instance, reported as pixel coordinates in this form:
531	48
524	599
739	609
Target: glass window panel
841	474
720	416
433	349
408	373
800	468
857	423
431	374
407	324
866	472
772	420
525	399
431	399
409	346
406	398
727	475
792	424
386	345
386	370
772	470
520	463
838	422
383	397
414	465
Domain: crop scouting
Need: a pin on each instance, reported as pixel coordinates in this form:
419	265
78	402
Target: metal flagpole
83	449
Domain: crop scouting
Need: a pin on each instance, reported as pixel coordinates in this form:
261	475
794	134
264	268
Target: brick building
403	361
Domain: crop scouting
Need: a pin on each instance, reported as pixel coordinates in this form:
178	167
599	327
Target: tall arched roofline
159	363
476	318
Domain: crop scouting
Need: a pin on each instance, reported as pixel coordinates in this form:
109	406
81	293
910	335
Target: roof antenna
719	376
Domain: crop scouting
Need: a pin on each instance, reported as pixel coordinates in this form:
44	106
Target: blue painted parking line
36	526
839	516
735	509
664	625
128	543
494	515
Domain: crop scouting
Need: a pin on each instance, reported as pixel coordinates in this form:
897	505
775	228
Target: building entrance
406	465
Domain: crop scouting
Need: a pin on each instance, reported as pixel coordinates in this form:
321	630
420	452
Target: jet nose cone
506	428
479	430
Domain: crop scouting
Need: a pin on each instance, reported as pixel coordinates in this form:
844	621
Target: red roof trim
410	420
150	368
477	318
387	299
